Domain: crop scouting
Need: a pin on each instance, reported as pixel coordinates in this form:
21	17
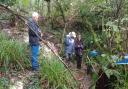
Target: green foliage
8	2
4	83
109	67
58	77
112	26
65	4
3	36
93	14
13	52
89	41
26	3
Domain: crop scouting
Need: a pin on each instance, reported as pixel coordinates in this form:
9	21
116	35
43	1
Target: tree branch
23	19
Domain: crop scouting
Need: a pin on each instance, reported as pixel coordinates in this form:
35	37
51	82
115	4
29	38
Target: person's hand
73	53
78	45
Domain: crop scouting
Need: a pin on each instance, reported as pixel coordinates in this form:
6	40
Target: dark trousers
79	61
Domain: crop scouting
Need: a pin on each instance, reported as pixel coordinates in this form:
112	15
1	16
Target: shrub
4	83
57	76
13	53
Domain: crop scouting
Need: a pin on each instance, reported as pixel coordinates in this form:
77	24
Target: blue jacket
33	31
69	45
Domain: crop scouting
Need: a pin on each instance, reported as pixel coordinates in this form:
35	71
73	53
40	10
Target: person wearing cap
69	44
34	33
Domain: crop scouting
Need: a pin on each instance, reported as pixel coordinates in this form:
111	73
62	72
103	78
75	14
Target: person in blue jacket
34	33
69	44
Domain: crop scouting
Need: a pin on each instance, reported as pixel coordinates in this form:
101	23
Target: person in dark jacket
34	33
79	51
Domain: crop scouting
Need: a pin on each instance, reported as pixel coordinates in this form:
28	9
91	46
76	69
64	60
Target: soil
81	76
24	79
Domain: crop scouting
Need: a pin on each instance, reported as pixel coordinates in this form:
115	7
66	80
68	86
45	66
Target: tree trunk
64	20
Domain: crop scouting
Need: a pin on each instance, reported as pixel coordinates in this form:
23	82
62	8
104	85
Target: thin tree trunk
120	4
49	8
49	14
65	24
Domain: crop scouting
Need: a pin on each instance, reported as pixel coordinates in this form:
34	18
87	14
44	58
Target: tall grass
13	53
56	75
3	36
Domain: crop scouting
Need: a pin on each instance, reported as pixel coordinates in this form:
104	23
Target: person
79	50
34	33
69	44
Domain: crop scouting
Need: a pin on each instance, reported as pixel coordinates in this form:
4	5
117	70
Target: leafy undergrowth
55	76
13	54
32	83
4	82
106	73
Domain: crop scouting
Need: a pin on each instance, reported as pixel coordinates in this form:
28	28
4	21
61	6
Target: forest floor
28	79
25	79
81	76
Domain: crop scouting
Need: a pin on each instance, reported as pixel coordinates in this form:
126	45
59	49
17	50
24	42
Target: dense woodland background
103	25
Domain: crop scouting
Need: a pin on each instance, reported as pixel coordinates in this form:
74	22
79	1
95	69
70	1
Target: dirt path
81	76
23	80
31	80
